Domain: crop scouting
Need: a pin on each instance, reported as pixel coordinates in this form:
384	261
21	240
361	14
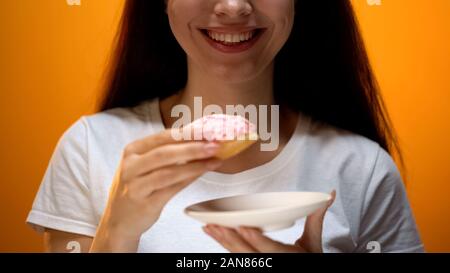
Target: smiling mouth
231	38
231	42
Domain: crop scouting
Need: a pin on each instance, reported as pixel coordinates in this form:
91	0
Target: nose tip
233	8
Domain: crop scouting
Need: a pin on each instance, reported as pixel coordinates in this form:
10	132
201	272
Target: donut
234	133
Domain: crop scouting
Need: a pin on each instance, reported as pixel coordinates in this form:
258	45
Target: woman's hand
245	239
151	172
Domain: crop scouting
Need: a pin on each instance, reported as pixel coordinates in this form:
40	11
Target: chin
233	74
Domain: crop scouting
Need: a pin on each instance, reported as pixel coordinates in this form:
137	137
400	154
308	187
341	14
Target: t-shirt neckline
253	174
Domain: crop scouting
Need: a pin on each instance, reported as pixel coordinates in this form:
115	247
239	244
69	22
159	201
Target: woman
115	183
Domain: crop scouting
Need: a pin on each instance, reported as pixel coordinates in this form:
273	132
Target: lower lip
237	48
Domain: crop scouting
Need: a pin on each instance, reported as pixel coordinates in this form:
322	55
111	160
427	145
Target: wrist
112	239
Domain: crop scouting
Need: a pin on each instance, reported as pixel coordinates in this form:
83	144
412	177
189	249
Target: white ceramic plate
267	211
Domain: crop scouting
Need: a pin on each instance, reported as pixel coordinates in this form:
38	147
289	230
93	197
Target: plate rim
249	211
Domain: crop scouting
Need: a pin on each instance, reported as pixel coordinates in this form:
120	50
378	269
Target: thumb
311	239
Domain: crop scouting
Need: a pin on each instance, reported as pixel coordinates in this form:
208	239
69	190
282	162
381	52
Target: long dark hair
322	71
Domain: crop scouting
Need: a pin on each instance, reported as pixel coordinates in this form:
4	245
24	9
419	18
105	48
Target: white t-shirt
371	204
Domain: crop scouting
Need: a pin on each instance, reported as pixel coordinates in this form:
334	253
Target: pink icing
222	127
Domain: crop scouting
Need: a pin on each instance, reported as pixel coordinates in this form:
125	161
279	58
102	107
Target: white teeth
231	38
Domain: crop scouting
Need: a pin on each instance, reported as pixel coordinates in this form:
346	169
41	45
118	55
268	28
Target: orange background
52	59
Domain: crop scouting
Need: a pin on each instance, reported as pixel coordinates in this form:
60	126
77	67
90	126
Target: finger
311	239
264	244
229	239
161	197
169	176
148	143
317	217
171	154
165	194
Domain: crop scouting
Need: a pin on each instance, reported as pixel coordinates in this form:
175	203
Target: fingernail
211	148
333	197
206	229
212	165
